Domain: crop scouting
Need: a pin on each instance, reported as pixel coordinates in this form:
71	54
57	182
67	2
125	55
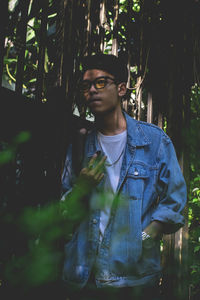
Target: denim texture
151	187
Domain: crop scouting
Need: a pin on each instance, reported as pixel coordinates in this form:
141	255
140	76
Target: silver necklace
113	163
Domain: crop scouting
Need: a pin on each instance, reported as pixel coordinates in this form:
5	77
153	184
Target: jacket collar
135	136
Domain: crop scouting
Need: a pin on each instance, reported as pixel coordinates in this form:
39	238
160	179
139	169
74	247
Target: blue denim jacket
151	187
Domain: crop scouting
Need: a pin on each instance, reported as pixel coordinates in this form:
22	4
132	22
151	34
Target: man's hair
109	63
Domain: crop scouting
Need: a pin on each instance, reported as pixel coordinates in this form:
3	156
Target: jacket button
94	221
136	173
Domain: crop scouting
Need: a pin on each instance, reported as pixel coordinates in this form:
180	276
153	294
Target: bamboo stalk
42	48
88	29
139	96
115	28
4	17
102	19
128	43
60	35
21	39
160	120
140	67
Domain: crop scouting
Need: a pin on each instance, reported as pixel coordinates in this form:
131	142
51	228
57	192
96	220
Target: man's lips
93	100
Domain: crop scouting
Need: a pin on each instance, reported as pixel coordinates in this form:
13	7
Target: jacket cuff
172	221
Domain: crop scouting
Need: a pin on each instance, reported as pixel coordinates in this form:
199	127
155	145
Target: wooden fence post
149	108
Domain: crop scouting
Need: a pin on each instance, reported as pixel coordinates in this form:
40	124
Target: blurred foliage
194	192
33	240
9	150
33	237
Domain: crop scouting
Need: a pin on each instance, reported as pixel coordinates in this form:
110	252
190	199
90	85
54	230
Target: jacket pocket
137	176
150	261
75	270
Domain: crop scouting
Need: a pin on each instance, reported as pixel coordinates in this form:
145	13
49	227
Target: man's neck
112	123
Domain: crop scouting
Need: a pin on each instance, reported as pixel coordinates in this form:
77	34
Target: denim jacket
151	187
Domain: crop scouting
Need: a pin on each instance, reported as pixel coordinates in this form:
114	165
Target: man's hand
75	206
93	173
154	229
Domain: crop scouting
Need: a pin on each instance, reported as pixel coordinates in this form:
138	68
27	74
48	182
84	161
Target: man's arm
167	216
171	187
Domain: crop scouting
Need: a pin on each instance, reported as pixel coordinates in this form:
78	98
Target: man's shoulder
149	129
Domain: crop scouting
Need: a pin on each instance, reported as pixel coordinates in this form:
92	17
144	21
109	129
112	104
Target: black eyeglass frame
90	83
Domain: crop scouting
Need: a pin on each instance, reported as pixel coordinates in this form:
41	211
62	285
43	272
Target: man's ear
122	89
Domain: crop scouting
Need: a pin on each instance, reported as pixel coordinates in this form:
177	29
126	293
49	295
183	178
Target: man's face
101	100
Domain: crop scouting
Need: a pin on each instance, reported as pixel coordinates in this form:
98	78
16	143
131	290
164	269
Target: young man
116	248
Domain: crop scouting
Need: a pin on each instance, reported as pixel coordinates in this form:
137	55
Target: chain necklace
116	161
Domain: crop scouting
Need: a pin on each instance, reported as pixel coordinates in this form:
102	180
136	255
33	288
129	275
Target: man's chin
100	111
96	110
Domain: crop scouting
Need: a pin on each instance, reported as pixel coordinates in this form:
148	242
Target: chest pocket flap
138	170
137	176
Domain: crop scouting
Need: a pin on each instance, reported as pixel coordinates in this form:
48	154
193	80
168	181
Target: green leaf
30	35
9	60
32	80
196	248
6	156
52	16
22	137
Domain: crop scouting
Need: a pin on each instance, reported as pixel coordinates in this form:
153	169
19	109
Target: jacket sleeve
171	188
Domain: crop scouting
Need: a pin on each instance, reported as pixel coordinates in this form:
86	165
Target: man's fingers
91	162
99	177
96	163
100	164
94	171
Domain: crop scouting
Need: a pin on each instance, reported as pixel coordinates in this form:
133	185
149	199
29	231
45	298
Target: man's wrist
154	230
157	228
145	236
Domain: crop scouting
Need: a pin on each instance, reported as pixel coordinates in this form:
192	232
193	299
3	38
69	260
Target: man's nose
92	88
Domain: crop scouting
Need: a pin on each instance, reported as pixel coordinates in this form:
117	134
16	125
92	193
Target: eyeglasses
99	83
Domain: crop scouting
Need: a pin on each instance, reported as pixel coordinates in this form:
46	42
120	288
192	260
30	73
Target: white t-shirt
114	148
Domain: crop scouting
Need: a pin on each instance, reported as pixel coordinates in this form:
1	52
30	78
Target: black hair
109	63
